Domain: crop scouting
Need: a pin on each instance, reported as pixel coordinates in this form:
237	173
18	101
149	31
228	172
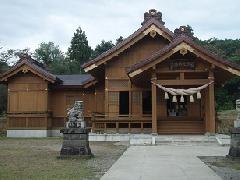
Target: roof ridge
177	40
128	39
31	63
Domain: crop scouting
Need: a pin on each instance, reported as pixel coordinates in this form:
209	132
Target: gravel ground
105	154
227	169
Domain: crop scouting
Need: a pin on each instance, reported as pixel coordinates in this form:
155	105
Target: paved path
165	162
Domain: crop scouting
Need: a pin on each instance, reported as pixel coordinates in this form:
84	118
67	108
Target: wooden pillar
210	106
106	97
154	105
130	98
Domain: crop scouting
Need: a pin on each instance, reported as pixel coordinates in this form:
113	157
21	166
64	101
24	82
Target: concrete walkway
165	162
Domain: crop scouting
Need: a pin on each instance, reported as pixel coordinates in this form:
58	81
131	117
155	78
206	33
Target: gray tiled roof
75	79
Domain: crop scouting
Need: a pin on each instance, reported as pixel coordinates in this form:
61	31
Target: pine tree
79	51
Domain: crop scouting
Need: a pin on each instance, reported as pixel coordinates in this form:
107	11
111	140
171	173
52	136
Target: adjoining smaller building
155	81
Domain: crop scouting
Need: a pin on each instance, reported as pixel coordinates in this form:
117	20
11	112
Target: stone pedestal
235	143
75	142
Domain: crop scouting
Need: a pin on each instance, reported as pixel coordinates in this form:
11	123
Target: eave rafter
152	30
24	68
185	48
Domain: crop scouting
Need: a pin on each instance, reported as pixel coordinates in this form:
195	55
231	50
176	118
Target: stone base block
235	143
75	142
70	151
234	152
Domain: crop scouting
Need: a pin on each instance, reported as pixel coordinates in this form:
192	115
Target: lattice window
118	83
113	97
136	97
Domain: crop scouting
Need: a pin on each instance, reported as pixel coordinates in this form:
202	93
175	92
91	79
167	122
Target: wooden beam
184	82
179	71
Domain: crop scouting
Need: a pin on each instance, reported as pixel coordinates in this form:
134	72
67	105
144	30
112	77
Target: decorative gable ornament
183	51
153	13
25	70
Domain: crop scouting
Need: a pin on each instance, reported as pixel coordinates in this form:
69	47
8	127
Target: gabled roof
181	42
151	24
60	81
33	66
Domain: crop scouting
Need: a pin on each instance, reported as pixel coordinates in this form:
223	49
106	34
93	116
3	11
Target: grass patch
225	121
36	158
227	162
221	161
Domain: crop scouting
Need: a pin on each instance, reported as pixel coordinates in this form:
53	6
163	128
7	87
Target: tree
119	40
228	49
47	53
3	99
102	47
3	88
52	57
79	51
10	56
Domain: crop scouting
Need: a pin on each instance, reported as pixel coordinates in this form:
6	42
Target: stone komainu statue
75	116
75	134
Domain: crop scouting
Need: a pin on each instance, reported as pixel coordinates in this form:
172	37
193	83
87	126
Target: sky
27	23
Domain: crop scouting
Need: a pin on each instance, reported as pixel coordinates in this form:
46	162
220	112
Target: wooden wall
27	93
116	68
28	102
116	78
61	100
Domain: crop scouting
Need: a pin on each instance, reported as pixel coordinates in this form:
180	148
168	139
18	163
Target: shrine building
154	81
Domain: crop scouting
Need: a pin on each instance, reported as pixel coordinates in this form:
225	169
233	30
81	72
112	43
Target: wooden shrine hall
154	81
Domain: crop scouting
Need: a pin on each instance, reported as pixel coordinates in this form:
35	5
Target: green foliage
47	53
3	88
52	57
3	99
102	47
228	49
79	51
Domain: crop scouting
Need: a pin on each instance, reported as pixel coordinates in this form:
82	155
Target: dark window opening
124	102
146	102
147	125
111	125
123	125
177	108
135	125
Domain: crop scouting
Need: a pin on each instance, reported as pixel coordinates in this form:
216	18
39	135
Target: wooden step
180	127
